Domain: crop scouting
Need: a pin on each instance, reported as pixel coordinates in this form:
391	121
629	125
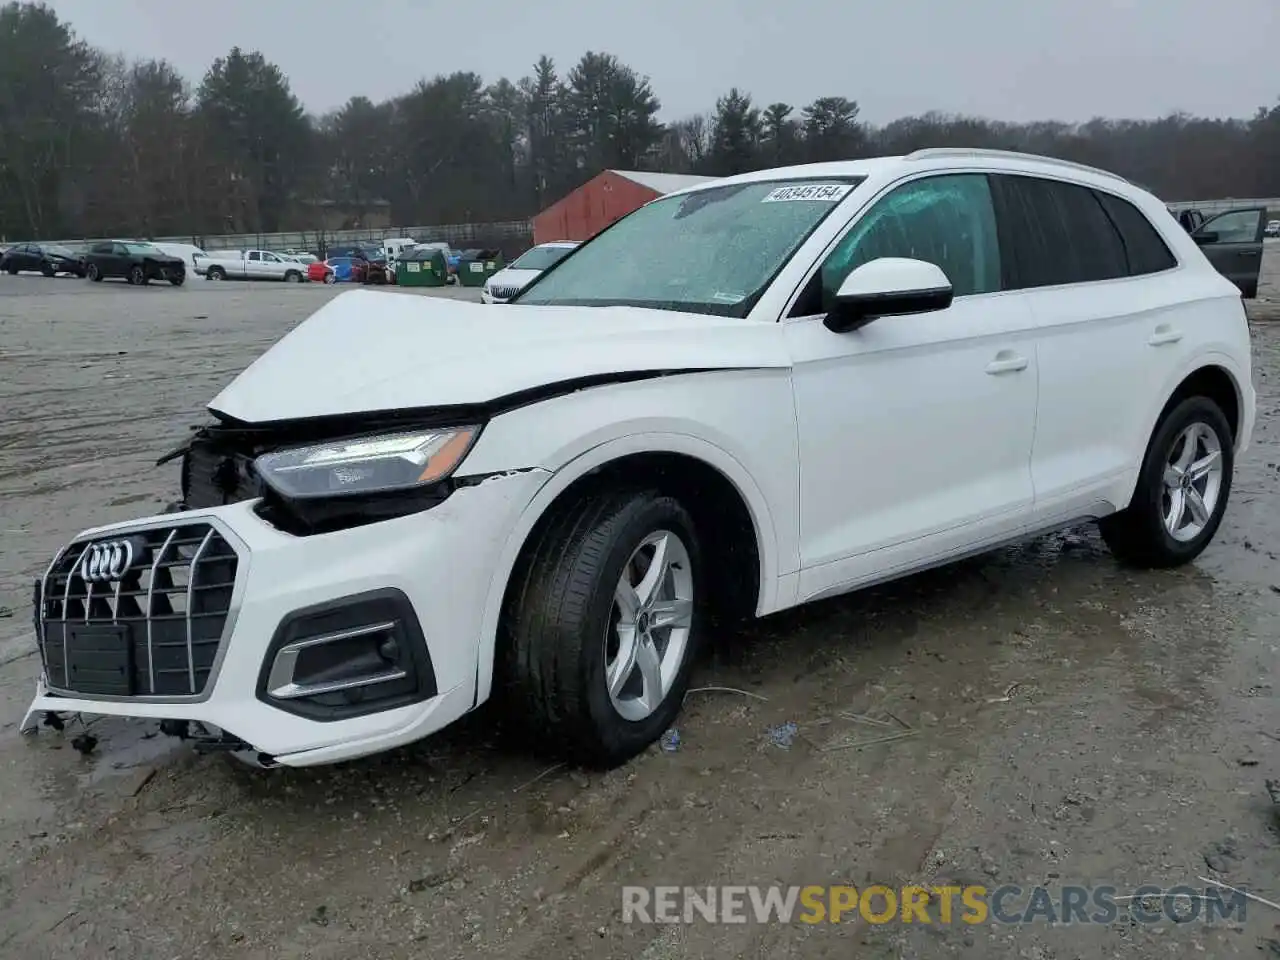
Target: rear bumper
439	561
1248	416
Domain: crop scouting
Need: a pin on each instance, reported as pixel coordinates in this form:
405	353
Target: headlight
400	461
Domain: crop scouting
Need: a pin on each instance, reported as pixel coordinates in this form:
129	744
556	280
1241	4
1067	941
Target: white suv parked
741	397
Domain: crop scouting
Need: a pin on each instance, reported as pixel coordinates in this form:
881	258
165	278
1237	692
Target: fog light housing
346	658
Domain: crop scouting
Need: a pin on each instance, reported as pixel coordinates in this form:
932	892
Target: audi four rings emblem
107	561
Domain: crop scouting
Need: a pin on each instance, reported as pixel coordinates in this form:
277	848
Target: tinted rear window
1059	233
1146	249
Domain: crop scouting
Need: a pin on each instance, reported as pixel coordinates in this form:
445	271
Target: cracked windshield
573	481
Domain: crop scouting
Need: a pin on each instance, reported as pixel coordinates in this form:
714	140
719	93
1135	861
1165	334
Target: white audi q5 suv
742	397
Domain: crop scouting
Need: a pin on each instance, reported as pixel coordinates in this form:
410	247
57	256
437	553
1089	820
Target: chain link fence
512	237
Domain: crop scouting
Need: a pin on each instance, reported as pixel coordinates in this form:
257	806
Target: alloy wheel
649	627
1192	482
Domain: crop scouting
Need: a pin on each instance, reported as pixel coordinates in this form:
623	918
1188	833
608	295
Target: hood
368	351
511	277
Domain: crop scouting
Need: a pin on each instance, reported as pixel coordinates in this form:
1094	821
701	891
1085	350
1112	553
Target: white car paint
504	284
859	456
402	342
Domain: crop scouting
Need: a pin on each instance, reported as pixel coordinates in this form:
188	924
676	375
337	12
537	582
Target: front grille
156	631
213	478
503	293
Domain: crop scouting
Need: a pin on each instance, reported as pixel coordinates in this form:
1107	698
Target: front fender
591	460
746	431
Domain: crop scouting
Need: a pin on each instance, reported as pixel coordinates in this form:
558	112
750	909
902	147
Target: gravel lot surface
1073	723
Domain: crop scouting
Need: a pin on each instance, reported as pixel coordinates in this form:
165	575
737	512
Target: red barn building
602	200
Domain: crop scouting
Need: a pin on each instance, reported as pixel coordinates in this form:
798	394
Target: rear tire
1182	489
567	640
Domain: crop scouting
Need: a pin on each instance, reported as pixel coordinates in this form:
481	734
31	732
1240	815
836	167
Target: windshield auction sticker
830	192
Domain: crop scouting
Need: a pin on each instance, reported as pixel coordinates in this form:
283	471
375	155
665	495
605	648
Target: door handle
1006	361
1164	334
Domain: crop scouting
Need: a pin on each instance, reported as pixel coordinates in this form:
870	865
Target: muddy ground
1072	722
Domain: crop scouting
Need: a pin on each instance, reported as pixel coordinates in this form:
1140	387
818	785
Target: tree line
92	144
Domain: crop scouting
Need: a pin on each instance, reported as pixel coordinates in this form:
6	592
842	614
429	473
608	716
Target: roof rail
930	153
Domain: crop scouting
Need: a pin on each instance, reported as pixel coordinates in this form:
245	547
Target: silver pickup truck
250	265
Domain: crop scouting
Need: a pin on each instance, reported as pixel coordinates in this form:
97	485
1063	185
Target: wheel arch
1213	375
712	484
1208	378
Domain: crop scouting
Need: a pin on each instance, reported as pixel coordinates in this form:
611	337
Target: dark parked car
134	261
42	258
368	270
367	250
1233	242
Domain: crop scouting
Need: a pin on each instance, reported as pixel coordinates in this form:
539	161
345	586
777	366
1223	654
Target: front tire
1182	489
137	276
293	276
215	273
93	273
601	626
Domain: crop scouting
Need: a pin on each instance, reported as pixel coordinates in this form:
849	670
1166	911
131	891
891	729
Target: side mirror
1207	237
888	287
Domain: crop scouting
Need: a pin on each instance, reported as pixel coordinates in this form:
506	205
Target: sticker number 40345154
830	192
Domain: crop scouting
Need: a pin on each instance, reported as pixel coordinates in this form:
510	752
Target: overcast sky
1006	59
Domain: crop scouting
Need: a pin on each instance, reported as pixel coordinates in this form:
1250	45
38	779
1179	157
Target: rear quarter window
1145	248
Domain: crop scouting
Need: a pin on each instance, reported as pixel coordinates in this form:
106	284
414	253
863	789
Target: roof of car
941	158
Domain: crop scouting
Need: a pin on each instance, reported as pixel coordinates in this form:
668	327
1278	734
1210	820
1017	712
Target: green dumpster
422	268
477	266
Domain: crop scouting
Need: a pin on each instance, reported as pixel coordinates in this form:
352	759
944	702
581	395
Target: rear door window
1058	233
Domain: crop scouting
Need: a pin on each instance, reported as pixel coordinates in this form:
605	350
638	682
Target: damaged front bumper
301	650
